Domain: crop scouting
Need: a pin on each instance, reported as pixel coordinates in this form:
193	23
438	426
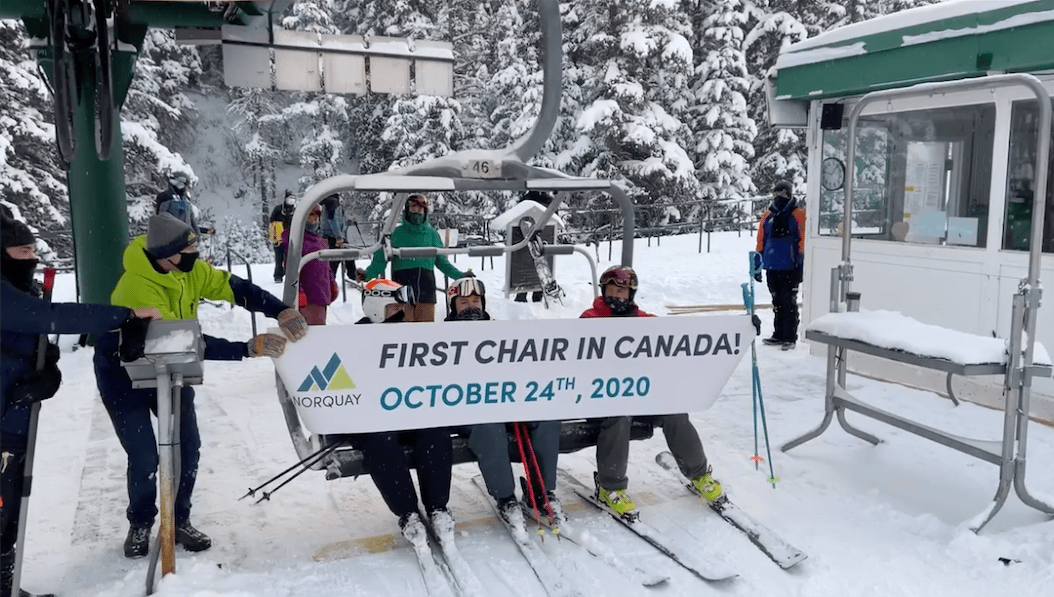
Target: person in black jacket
281	218
385	301
25	317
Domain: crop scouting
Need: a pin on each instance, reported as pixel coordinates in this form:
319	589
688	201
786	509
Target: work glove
754	319
40	385
133	339
293	324
757	276
267	345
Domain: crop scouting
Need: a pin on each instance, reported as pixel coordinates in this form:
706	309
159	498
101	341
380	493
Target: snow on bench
894	331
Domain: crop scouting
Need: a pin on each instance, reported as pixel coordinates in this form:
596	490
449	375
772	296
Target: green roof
950	40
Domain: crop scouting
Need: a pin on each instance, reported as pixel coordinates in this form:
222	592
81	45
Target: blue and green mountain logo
332	377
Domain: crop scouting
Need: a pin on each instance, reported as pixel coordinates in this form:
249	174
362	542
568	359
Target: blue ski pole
758	400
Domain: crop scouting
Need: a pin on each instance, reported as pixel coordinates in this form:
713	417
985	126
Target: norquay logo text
332	377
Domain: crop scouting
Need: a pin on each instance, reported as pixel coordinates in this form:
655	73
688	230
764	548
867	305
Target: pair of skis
556	585
772	545
445	571
784	554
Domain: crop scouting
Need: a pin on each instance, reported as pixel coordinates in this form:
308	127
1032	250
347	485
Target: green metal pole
97	195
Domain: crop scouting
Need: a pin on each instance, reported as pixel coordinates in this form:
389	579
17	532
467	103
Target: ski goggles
619	276
466	287
402	294
417	201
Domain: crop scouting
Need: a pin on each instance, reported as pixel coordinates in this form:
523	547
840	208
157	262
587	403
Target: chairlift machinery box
174	346
520	273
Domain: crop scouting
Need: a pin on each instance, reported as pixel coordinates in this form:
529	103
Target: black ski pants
12	469
279	262
783	285
388	464
131	411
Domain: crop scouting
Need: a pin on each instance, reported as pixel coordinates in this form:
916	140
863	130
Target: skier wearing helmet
490	441
385	301
618	291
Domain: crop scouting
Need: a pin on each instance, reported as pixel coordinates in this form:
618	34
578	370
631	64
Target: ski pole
31	443
748	302
756	265
306	465
252	491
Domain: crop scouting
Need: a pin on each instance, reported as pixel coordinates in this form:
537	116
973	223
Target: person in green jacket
162	270
419	274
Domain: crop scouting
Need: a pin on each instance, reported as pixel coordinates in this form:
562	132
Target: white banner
381	377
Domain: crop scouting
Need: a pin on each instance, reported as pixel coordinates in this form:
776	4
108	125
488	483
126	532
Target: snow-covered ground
874	520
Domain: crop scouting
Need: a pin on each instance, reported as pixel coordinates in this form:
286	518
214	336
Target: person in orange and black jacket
781	244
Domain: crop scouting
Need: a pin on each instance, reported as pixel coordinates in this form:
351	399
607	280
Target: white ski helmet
379	293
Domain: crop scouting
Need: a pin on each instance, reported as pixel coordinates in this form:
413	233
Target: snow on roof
896	331
523	208
1019	20
822	54
910	18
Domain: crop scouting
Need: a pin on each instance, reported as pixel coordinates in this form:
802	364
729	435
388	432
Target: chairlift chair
473	170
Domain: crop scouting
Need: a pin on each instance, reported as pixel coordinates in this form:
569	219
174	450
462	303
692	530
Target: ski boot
618	500
509	510
413	529
708	487
442	521
540	500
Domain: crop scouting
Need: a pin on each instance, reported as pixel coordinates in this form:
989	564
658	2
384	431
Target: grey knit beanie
167	235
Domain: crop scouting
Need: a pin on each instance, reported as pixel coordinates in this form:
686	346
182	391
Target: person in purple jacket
318	286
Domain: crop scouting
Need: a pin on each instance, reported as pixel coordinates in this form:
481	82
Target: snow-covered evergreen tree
319	119
780	154
32	178
723	127
634	61
157	116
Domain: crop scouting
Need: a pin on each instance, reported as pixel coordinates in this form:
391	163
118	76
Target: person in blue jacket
26	315
162	270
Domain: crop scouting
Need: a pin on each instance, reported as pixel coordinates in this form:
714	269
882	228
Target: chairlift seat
575	435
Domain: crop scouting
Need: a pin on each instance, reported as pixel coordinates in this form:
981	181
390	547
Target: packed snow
889	329
874	520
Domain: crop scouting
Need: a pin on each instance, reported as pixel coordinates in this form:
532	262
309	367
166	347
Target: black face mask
19	272
186	262
618	307
469	315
